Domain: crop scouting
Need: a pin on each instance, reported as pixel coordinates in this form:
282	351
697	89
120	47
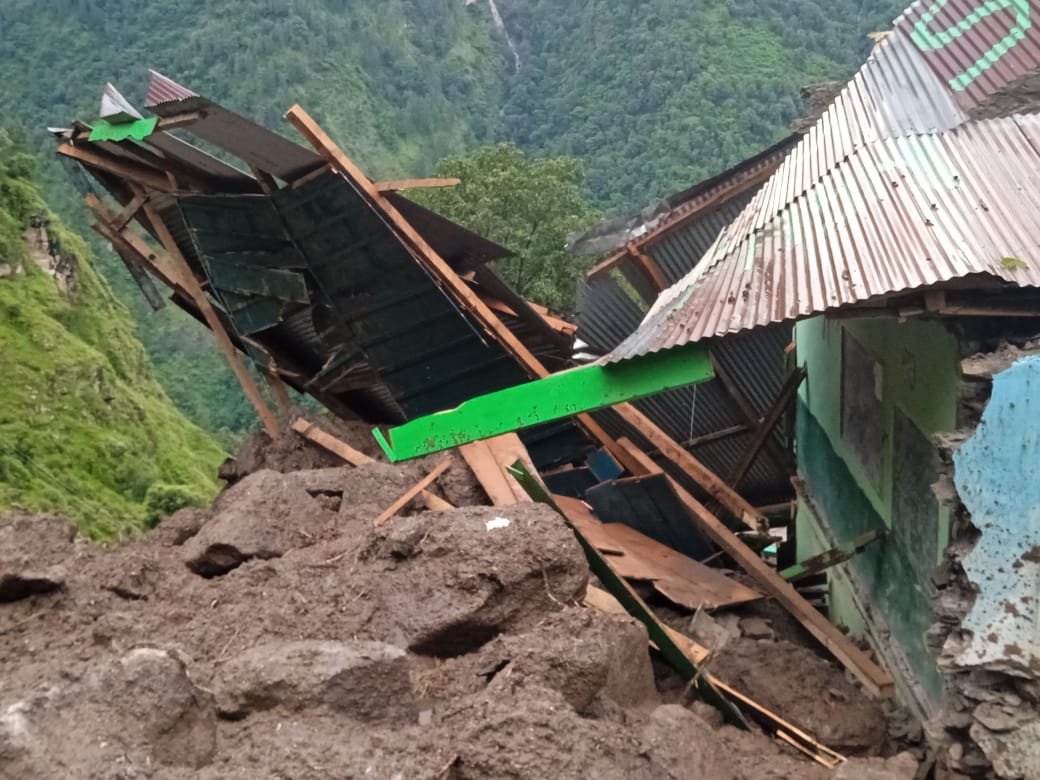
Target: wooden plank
635	556
412	184
414	491
698	472
139	174
489	474
355	457
599	599
489	460
430	260
769	422
129	212
873	677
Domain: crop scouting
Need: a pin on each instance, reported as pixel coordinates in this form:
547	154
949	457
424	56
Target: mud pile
280	634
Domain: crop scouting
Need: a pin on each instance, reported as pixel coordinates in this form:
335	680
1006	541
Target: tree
527	205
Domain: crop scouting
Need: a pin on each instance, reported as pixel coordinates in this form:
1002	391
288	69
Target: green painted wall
916	390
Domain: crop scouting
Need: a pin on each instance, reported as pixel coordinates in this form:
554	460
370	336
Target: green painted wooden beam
826	560
138	130
551	398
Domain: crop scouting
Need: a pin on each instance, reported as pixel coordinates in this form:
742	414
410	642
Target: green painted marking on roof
929	40
551	398
138	130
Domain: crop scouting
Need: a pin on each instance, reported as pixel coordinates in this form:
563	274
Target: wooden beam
708	438
829	558
557	324
413	491
313	432
414	184
649	268
489	460
179	120
743	405
130	211
765	429
231	354
432	262
145	177
698	472
873	677
265	180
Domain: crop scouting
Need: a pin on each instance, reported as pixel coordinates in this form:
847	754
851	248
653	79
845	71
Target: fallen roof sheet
882	194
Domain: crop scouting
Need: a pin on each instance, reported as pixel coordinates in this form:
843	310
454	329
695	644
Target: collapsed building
870	281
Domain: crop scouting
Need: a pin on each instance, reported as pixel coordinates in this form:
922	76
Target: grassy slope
85	428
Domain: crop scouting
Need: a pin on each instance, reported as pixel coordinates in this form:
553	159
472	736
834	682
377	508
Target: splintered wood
635	556
874	678
341	449
489	459
413	491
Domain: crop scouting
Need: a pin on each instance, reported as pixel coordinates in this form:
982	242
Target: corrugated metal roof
977	48
882	194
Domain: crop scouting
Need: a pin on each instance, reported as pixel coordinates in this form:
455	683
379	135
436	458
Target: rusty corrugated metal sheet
889	191
977	48
162	89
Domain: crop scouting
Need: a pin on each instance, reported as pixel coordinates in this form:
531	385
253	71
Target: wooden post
197	294
765	428
278	389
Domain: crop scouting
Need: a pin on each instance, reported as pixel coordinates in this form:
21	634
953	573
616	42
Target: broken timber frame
429	259
873	677
176	273
314	433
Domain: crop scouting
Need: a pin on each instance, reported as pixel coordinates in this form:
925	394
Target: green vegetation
650	96
528	205
85	429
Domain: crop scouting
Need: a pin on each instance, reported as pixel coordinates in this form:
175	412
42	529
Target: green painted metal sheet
138	130
634	605
254	280
542	400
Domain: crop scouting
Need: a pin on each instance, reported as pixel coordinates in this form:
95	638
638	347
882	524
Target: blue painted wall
997	473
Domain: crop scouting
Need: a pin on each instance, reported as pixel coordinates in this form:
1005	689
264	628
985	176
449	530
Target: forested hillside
649	95
85	429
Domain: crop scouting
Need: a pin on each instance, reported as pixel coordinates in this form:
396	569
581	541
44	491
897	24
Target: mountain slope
651	95
85	429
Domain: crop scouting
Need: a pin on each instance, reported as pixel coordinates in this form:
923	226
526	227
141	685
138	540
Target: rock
262	516
175	530
6	269
149	691
1013	754
32	551
368	681
902	766
996	718
756	628
442	585
709	632
584	655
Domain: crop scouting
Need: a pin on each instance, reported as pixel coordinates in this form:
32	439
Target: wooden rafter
430	260
873	677
765	430
413	184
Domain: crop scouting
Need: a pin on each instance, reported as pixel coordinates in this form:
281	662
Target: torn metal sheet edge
542	400
635	606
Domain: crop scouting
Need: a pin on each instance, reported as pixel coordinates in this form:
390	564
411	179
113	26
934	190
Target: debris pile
281	633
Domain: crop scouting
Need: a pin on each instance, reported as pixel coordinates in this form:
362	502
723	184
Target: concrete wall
874	470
